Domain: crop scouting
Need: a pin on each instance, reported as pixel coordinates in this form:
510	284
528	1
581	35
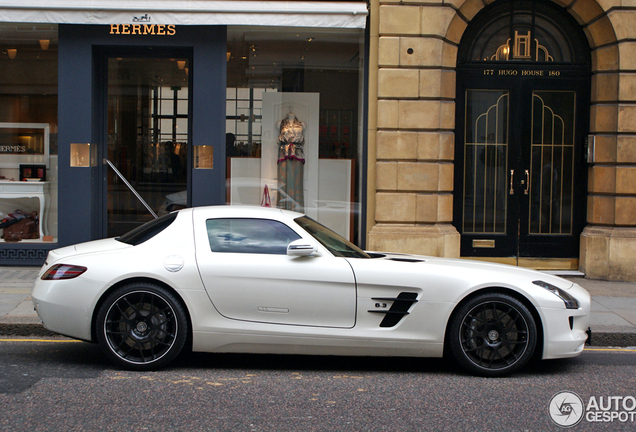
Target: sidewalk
613	317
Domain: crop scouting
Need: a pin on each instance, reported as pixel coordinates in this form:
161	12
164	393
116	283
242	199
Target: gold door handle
512	176
525	192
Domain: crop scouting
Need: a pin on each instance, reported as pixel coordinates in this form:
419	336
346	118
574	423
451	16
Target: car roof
244	211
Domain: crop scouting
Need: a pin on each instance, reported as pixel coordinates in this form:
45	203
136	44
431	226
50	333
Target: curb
604	339
622	340
7	329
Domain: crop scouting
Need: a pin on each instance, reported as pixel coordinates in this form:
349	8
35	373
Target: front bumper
567	330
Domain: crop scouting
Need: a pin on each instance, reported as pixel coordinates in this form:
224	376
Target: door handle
525	192
512	176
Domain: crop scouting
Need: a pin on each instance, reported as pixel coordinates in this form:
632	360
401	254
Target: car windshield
336	244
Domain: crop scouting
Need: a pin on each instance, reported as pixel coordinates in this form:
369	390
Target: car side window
261	236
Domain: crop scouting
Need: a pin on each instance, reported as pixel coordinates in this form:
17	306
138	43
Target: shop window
293	109
28	130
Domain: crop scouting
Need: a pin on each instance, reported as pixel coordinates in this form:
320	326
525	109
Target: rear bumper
52	301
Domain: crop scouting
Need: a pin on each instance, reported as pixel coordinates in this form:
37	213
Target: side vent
400	307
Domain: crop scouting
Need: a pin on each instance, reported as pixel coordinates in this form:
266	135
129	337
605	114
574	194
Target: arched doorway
523	83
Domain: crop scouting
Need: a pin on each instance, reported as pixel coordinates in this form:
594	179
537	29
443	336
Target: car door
248	275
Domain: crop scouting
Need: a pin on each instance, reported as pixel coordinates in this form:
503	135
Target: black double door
520	161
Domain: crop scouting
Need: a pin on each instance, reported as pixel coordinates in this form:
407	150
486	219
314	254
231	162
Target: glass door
148	136
519	167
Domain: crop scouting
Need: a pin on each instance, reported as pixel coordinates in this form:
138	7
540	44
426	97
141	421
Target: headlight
570	302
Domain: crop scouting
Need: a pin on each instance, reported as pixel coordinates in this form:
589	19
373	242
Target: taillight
63	271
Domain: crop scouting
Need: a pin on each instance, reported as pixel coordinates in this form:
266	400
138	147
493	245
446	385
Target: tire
141	326
493	335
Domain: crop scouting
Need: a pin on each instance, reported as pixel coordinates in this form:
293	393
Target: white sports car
262	280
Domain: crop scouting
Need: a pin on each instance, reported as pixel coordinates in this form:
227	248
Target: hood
495	271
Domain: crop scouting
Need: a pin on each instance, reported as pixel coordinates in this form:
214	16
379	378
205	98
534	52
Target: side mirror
301	248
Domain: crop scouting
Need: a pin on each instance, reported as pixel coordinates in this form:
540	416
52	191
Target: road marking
611	349
40	340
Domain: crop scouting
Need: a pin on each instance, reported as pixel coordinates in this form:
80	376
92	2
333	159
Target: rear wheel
493	335
141	326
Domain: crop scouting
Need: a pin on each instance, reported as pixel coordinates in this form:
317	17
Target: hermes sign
141	26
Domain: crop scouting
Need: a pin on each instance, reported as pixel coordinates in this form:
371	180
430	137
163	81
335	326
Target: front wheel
493	335
141	326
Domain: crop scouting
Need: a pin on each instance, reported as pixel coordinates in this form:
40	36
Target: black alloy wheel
493	335
141	326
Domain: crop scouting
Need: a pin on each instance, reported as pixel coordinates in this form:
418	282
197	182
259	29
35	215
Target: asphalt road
63	385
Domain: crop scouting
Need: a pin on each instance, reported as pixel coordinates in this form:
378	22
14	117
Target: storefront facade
141	111
501	131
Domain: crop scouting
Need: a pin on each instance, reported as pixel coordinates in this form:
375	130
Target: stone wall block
627	118
625	211
585	11
627	55
605	149
418	176
430	83
400	20
445	208
397	145
426	210
626	180
627	87
622	23
605	87
420	114
436	19
457	3
386	176
447	115
564	3
626	149
602	179
600	32
603	118
420	51
428	146
436	146
434	240
470	8
449	55
398	83
594	255
389	51
449	81
622	255
447	146
456	29
395	207
388	114
601	209
605	58
446	176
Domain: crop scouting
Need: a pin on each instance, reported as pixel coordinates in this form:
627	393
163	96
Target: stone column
608	243
414	140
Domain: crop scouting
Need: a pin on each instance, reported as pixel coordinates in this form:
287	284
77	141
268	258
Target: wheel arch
124	282
498	290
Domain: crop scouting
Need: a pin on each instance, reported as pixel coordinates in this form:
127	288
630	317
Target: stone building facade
412	132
